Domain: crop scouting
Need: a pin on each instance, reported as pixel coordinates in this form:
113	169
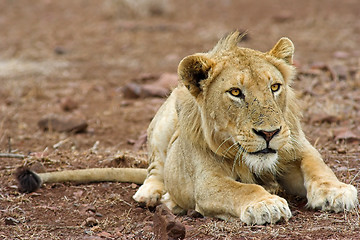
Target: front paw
332	196
269	210
149	193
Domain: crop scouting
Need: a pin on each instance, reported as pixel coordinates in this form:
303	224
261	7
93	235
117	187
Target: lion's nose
267	135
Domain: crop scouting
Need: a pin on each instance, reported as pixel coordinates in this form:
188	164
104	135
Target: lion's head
246	103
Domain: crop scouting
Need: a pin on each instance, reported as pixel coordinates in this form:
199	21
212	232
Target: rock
283	16
319	65
166	226
90	208
11	221
62	124
339	72
122	159
324	118
125	103
341	150
68	104
133	90
87	209
341	54
105	235
160	88
346	135
60	50
154	91
90	222
167	80
143	77
78	194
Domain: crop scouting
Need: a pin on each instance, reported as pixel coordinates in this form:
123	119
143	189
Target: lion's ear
194	69
283	49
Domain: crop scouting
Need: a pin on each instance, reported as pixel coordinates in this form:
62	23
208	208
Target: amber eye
275	87
235	92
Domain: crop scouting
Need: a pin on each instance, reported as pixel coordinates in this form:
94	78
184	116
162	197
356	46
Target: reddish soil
84	52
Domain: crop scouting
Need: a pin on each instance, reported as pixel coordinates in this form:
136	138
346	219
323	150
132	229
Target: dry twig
10	155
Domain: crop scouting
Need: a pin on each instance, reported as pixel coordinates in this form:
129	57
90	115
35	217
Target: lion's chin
261	162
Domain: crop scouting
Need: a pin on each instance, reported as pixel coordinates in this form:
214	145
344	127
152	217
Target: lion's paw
149	194
332	196
270	210
168	202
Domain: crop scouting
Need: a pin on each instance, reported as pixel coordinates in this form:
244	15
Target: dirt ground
73	59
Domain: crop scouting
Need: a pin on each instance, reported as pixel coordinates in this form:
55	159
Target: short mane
228	42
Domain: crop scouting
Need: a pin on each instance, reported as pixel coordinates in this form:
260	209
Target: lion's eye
235	92
275	87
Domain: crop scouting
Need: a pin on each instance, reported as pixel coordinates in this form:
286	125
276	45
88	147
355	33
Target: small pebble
341	150
90	222
11	221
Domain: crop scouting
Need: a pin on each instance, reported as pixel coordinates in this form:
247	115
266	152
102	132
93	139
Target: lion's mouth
264	151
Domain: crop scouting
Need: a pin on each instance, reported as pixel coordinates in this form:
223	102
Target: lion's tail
30	181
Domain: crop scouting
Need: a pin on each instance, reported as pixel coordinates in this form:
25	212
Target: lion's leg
293	180
168	201
160	132
225	198
324	190
152	190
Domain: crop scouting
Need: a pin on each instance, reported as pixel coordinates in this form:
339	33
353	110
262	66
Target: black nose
267	135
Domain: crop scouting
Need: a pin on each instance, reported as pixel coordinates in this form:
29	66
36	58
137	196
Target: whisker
238	157
244	151
227	150
294	145
222	144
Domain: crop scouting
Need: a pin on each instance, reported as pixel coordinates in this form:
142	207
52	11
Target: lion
226	140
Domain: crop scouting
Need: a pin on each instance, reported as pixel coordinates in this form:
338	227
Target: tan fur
133	175
201	155
203	141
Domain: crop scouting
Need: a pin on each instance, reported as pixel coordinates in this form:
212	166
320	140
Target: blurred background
81	80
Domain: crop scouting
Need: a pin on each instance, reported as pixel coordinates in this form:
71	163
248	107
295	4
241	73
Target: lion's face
244	106
243	103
